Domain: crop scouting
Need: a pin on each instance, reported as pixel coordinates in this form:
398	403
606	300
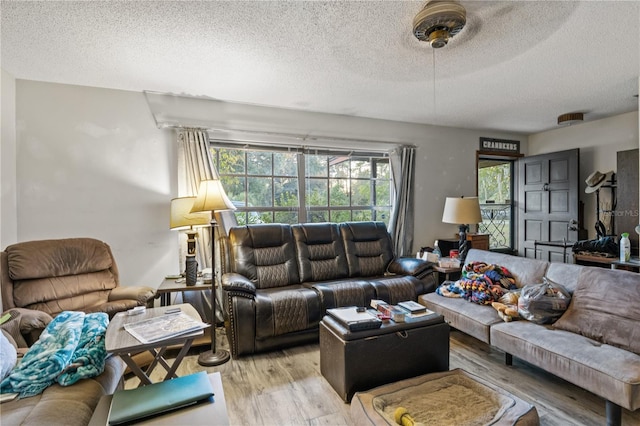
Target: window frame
304	212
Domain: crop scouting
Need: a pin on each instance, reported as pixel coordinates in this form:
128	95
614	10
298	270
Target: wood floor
286	388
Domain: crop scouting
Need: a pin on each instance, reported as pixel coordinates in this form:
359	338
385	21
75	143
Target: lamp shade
181	216
462	211
211	197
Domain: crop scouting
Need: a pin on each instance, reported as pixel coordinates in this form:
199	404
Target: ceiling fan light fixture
439	38
570	118
439	21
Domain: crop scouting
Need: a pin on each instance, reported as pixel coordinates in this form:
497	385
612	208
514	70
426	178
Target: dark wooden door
627	191
548	188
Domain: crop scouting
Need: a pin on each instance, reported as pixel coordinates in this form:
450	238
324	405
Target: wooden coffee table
209	413
119	341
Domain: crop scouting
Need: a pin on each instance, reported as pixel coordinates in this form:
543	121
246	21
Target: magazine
164	327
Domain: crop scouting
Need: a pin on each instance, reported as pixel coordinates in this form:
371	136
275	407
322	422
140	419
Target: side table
447	271
119	341
171	285
632	264
210	413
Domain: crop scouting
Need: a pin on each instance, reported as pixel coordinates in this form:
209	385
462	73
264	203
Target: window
270	186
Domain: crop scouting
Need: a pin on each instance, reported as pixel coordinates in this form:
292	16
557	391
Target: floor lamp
462	211
212	198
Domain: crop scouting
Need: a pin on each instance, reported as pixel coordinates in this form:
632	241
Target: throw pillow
604	308
9	356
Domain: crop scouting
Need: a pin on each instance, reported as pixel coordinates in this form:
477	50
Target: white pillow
9	356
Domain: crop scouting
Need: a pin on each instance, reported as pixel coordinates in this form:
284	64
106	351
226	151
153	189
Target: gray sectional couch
594	345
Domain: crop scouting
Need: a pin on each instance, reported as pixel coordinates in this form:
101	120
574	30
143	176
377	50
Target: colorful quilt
481	283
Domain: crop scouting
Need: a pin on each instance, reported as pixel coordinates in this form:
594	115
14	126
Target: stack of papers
164	327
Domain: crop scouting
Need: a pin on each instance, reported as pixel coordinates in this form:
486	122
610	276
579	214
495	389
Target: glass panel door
495	193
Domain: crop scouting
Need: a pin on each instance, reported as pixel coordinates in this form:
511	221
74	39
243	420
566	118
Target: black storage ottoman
361	360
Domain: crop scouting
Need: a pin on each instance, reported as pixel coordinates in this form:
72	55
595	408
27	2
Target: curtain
195	165
402	217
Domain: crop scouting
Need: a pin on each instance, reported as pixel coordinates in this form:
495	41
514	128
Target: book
413	307
398	314
355	319
164	327
135	404
418	317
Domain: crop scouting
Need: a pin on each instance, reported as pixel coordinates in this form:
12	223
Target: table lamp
462	211
212	198
183	219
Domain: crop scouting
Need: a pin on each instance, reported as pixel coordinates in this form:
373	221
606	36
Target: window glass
316	165
285	164
287	187
259	163
360	192
339	193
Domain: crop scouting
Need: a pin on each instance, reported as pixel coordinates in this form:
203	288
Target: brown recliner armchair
73	274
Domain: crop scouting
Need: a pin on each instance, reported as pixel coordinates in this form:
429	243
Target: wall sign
499	145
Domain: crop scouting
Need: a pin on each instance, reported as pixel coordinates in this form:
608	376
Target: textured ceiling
516	65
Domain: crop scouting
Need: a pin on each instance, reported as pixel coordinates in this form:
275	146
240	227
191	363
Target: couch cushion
321	255
368	248
57	258
265	254
601	310
340	293
473	319
72	293
396	288
605	370
565	274
286	310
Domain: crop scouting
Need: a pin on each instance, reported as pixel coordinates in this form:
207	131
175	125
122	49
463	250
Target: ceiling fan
439	21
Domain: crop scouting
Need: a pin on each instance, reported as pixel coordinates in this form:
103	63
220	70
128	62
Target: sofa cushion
286	310
72	293
601	310
475	320
340	293
599	368
396	288
368	248
321	255
565	274
57	258
265	254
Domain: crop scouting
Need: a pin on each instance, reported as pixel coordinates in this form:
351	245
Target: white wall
599	141
8	201
91	162
446	167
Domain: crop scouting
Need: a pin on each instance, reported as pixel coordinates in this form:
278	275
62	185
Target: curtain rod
301	137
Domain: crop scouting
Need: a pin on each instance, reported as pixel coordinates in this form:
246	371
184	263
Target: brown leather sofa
71	274
284	277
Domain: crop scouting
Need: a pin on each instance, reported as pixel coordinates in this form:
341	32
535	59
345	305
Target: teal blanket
69	349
